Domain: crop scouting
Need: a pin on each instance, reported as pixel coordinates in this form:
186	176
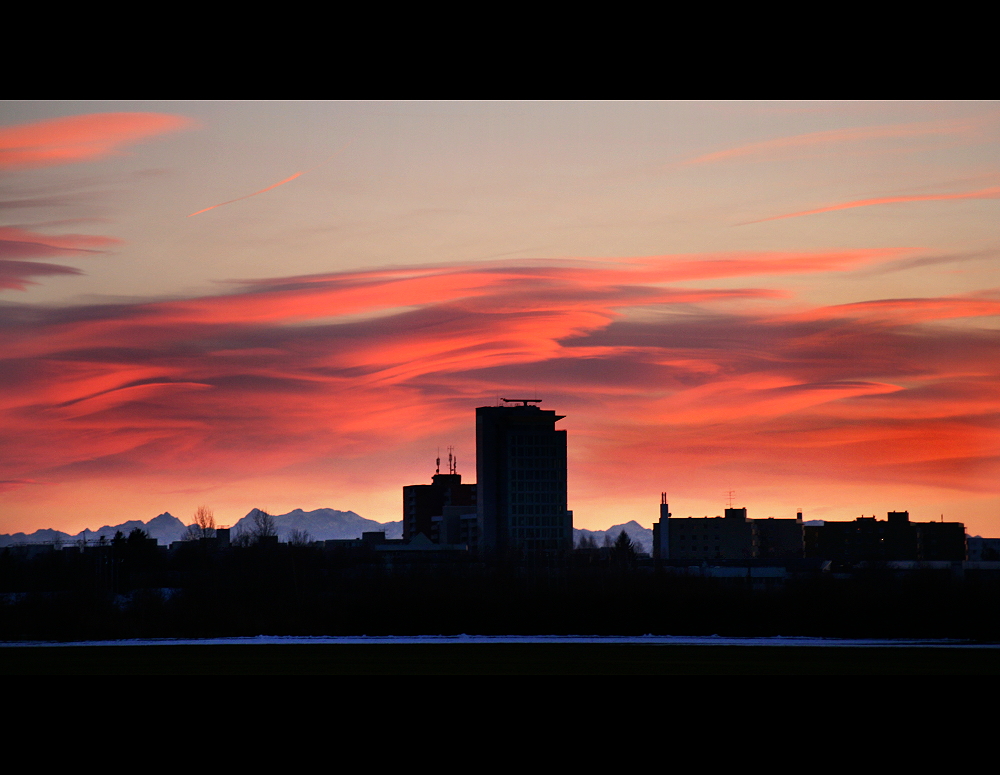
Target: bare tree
203	526
242	536
263	526
299	538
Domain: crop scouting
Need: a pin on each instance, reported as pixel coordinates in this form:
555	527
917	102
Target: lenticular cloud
286	371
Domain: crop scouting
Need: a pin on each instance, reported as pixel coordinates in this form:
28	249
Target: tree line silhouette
128	588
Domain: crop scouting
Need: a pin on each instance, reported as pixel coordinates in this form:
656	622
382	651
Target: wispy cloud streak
17	243
984	193
767	148
277	374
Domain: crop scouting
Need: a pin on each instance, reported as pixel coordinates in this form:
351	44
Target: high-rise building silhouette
521	487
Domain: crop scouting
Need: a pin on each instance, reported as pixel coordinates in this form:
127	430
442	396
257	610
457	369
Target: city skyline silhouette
793	300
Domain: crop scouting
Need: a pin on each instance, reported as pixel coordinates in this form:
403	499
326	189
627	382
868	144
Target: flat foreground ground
494	659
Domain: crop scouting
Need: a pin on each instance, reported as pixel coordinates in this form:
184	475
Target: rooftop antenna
663	498
452	462
437	462
729	497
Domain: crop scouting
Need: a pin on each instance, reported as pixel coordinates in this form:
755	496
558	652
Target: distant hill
164	528
642	536
325	524
321	524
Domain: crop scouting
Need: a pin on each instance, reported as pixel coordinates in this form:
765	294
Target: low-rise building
893	539
729	537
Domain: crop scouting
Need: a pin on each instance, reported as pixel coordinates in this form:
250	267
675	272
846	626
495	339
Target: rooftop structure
430	509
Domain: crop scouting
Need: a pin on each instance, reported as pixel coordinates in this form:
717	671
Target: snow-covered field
444	640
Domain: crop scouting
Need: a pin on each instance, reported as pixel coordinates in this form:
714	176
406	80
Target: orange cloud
274	377
985	193
73	139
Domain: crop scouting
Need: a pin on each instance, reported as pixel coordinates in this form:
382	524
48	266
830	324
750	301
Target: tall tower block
521	479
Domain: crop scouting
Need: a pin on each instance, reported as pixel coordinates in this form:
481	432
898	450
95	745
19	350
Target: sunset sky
295	304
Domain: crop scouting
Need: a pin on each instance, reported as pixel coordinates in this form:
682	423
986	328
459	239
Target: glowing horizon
840	369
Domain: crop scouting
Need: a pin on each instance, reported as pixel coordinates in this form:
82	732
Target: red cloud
261	381
80	138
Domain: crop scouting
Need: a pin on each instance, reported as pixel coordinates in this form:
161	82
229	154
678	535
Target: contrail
279	183
248	195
